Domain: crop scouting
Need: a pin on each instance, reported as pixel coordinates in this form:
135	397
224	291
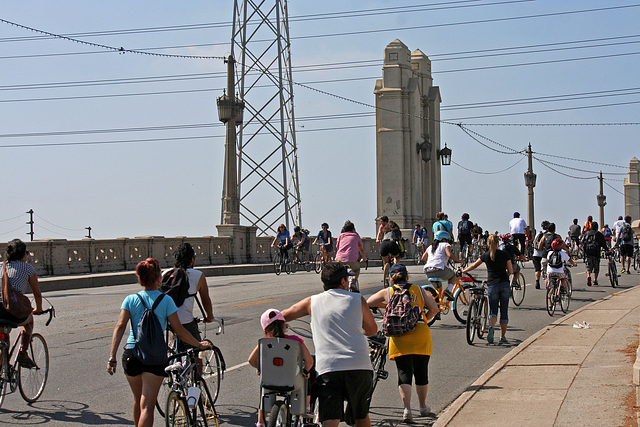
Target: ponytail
493	246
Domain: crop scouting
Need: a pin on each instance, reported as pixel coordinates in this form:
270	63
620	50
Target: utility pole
89	230
30	223
530	182
602	201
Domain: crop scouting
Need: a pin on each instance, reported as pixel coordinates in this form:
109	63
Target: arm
274	241
509	267
203	290
368	322
363	255
37	295
379	299
299	309
450	254
425	255
430	305
253	358
118	331
541	243
475	265
183	334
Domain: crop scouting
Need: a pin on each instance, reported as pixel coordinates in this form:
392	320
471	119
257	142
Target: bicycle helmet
506	236
442	235
556	244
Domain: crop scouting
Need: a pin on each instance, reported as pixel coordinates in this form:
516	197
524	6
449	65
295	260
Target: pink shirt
348	246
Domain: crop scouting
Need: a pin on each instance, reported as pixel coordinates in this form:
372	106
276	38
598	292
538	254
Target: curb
452	410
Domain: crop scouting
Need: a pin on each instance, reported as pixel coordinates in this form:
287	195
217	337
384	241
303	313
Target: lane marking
90	305
264	301
102	329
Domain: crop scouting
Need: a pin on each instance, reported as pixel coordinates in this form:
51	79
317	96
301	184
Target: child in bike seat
273	325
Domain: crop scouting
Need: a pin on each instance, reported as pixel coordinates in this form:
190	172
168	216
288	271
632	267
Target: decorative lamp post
530	182
445	155
602	201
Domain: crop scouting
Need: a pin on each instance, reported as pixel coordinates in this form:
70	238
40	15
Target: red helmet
506	236
556	244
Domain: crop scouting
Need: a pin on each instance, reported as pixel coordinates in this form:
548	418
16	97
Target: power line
562	173
64	228
470	132
488	173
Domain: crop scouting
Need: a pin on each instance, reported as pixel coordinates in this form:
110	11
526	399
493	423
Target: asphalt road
80	392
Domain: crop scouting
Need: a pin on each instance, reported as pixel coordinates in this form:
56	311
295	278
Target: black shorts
412	366
389	248
465	238
537	263
5	315
593	263
336	387
626	250
133	367
192	328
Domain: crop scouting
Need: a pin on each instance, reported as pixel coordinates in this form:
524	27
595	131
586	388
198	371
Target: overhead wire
58	226
488	173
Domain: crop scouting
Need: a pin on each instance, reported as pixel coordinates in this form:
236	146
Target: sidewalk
563	376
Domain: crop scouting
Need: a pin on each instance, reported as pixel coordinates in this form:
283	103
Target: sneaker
628	272
437	316
537	285
424	412
588	281
449	295
406	416
503	341
25	361
595	283
623	271
490	335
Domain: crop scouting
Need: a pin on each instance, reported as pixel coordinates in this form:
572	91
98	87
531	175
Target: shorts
593	264
516	267
336	387
389	248
464	238
133	367
626	250
5	315
412	366
354	266
537	263
558	276
445	274
192	328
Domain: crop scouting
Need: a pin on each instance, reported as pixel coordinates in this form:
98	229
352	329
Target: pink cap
269	316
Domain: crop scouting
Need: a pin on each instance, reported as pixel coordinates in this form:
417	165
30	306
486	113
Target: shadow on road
69	413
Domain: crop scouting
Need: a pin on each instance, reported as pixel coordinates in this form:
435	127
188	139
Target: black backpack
464	227
548	239
175	283
590	244
626	233
150	348
400	316
555	260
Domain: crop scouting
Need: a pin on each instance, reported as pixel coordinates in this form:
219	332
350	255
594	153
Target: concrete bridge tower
407	139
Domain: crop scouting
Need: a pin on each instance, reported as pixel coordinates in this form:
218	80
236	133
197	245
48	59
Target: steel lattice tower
266	142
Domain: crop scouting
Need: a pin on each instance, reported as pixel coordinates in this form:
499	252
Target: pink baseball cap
270	316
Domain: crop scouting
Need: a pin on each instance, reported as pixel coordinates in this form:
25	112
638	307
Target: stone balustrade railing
63	257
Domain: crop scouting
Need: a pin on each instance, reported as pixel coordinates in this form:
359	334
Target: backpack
548	239
536	240
150	347
175	283
590	244
626	233
464	227
400	316
555	260
607	232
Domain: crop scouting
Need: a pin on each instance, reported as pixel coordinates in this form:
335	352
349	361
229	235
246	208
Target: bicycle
457	300
378	354
557	293
478	313
211	366
30	381
281	261
300	260
518	289
612	270
321	259
636	257
189	402
419	251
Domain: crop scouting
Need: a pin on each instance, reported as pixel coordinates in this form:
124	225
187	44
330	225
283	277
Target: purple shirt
348	246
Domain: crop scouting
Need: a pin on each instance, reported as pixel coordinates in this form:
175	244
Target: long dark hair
184	255
15	250
275	329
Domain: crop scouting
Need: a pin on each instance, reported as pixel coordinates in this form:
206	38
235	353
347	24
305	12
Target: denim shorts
499	295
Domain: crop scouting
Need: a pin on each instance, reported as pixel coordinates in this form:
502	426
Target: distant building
632	190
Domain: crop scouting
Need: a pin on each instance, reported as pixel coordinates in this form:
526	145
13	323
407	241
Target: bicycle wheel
613	274
636	260
33	380
518	289
317	263
461	304
565	298
5	375
278	416
163	395
569	281
211	372
294	263
207	414
378	367
177	411
277	263
551	298
483	312
434	294
308	266
472	321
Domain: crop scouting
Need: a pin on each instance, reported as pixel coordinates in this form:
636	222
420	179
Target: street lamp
445	155
425	150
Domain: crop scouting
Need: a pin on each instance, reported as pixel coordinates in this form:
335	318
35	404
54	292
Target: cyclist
587	225
349	248
301	242
384	220
545	244
442	224
606	232
514	254
465	228
21	275
574	233
499	269
625	241
185	258
592	242
436	258
517	226
324	237
391	235
557	270
420	239
537	253
285	238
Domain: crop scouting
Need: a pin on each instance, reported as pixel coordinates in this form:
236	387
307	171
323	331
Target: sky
130	144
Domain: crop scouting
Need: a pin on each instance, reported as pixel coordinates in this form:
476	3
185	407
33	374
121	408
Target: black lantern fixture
225	108
445	155
425	150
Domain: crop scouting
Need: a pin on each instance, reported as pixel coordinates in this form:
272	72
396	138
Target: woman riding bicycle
285	240
436	258
324	237
21	274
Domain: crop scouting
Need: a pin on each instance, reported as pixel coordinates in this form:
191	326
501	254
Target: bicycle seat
8	323
280	364
436	279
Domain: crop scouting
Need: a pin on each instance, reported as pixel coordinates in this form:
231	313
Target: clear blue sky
549	62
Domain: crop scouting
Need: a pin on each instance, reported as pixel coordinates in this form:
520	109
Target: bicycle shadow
45	411
392	416
237	415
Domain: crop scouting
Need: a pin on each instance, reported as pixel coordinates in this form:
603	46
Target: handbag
16	304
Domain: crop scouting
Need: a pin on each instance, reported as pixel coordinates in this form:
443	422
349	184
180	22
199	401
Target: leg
150	387
405	394
504	308
136	387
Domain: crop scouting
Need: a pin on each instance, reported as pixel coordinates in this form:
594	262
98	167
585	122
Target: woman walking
144	379
499	269
411	351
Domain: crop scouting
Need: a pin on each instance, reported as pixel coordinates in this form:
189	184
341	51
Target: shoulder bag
16	304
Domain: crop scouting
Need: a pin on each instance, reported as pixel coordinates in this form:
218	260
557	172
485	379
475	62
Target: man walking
592	242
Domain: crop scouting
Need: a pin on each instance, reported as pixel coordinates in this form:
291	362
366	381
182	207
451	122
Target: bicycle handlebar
52	314
191	353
